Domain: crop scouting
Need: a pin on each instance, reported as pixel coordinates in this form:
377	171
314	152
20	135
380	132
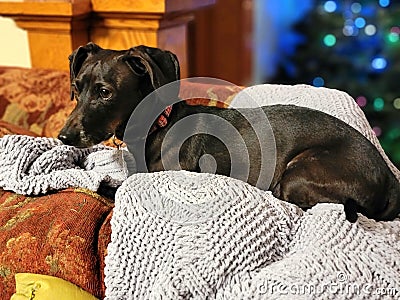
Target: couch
64	234
143	245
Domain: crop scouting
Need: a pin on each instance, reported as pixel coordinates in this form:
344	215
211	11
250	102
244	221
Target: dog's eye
105	93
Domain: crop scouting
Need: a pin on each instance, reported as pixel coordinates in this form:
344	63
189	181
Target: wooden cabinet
56	28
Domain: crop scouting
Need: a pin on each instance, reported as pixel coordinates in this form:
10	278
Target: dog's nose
64	139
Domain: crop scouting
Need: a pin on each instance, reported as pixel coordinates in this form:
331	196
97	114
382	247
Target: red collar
162	120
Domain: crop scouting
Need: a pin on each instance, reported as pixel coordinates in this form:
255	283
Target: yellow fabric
44	287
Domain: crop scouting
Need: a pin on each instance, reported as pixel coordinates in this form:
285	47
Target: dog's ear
76	60
161	65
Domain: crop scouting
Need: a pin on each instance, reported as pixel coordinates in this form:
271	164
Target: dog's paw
350	209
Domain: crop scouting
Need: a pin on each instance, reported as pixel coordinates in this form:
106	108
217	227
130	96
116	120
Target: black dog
319	158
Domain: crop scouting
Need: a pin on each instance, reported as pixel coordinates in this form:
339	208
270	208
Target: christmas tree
354	46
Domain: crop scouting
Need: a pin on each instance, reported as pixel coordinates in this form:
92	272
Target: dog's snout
66	139
70	135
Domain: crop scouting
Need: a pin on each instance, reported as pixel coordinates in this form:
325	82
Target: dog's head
108	85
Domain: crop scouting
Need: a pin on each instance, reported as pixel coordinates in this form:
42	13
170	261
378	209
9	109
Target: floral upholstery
35	99
66	233
54	234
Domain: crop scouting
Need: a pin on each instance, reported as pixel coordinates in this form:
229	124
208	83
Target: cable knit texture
36	165
182	235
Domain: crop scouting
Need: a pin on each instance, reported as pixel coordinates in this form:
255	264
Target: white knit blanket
182	235
32	165
248	245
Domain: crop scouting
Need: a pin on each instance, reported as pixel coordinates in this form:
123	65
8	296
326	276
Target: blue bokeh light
360	22
356	7
318	81
384	3
379	63
330	6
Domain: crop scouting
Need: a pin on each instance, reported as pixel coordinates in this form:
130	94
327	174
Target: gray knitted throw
32	166
182	235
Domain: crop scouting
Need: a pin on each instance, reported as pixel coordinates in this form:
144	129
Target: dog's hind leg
316	176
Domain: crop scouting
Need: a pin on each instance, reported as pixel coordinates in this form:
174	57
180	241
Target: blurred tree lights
354	46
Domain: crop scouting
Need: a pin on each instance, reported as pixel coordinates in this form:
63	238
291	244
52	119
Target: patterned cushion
8	128
103	241
35	99
54	234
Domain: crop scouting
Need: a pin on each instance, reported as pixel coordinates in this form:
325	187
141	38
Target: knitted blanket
32	166
182	235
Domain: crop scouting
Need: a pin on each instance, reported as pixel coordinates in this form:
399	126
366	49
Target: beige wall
14	49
